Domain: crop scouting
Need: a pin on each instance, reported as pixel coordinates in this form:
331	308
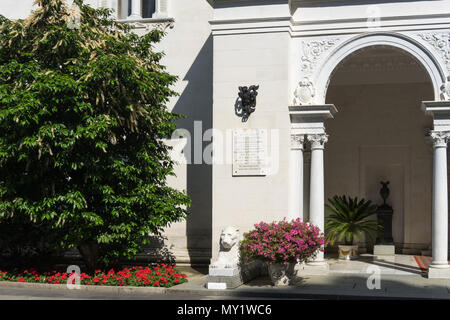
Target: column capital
297	141
439	138
317	140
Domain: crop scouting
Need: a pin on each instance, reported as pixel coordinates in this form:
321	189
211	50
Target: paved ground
367	278
39	294
394	265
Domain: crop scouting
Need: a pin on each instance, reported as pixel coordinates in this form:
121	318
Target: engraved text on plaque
249	152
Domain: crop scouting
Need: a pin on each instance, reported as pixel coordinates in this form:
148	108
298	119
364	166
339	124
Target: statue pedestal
383	250
230	278
384	215
224	278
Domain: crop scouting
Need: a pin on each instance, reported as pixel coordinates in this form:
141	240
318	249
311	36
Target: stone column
136	10
309	120
440	206
161	9
296	177
317	190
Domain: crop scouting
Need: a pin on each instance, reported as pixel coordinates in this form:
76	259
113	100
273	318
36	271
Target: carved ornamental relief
445	90
304	93
439	138
312	52
441	44
317	140
297	141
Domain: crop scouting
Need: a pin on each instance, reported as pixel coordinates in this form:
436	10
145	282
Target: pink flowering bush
282	242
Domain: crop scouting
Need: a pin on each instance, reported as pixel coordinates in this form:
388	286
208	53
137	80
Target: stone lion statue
229	249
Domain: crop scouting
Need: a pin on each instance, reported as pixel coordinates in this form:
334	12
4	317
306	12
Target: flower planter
281	244
347	252
281	274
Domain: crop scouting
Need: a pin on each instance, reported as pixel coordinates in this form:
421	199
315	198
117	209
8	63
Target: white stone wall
189	55
11	10
243	60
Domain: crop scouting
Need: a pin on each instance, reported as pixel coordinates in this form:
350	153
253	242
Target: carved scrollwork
439	138
317	140
441	43
312	50
297	141
148	26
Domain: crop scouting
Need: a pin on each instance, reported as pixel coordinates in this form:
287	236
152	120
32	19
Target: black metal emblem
248	100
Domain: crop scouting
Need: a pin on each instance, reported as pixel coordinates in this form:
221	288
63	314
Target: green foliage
348	220
82	118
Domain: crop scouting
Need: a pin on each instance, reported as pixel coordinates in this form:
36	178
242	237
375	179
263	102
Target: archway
379	132
394	40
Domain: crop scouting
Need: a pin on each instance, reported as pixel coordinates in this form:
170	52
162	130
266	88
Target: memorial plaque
250	152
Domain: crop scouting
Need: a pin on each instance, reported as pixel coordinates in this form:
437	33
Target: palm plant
348	220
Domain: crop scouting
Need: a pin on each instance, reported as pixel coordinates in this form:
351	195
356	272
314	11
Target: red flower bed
159	276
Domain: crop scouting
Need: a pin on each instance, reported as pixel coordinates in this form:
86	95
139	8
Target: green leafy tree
348	220
82	120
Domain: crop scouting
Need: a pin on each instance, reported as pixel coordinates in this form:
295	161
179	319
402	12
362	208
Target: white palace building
350	93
